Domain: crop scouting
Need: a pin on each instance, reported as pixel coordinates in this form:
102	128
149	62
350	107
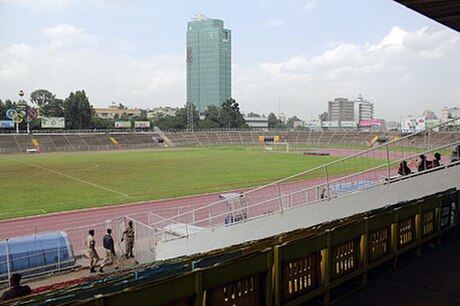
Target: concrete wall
317	213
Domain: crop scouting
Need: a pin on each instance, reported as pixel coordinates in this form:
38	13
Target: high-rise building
340	109
364	110
429	115
209	60
344	112
449	113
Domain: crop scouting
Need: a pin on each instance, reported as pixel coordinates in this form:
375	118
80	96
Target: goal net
278	147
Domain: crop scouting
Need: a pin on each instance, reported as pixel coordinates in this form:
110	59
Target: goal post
278	147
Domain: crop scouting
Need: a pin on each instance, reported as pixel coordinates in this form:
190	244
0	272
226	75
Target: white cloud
308	6
67	36
278	22
69	59
40	5
395	70
54	5
400	58
394	38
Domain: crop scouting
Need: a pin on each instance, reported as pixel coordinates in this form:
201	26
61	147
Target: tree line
225	116
80	114
76	109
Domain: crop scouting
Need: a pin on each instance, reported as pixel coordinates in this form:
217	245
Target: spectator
404	169
16	289
92	253
437	160
323	194
455	154
423	163
110	257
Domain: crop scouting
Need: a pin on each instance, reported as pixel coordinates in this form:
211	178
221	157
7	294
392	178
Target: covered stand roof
446	12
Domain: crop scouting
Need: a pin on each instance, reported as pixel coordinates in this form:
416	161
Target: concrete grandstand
295	258
110	140
287	226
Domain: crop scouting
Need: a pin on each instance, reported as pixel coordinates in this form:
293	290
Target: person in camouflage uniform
128	235
91	249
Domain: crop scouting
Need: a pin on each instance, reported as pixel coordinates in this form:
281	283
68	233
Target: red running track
72	219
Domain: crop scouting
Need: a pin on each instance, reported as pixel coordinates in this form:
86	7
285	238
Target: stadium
218	222
231	217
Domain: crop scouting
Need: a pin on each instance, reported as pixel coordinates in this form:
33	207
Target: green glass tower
209	61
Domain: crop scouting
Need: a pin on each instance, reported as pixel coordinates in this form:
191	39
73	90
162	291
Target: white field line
69	176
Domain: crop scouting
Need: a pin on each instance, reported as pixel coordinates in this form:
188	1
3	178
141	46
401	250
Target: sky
289	56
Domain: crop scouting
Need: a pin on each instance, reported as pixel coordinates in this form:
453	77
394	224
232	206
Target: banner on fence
348	124
6	124
370	123
123	124
412	124
430	123
329	124
53	122
141	124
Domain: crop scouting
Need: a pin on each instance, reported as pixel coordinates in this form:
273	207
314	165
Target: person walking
110	257
92	253
128	234
16	289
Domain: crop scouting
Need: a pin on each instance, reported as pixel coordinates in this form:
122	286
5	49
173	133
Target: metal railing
48	260
359	171
315	264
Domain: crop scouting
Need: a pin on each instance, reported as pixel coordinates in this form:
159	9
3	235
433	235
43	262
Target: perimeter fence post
59	255
7	258
326	176
388	162
279	196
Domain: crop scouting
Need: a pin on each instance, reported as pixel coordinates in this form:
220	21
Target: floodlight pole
189	107
21	95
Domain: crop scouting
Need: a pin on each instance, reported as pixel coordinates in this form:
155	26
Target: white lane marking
69	176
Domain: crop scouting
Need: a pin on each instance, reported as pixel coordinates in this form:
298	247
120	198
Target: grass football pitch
39	184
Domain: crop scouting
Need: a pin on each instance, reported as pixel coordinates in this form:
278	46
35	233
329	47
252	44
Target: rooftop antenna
279	105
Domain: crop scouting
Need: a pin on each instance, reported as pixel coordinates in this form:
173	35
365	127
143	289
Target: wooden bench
31	150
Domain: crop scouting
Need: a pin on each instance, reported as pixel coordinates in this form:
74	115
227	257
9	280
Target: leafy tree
323	116
181	118
4	106
290	122
272	121
253	115
41	97
78	112
118	105
230	116
211	118
54	108
102	123
166	122
143	115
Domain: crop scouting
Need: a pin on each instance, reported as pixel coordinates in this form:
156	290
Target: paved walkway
431	280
